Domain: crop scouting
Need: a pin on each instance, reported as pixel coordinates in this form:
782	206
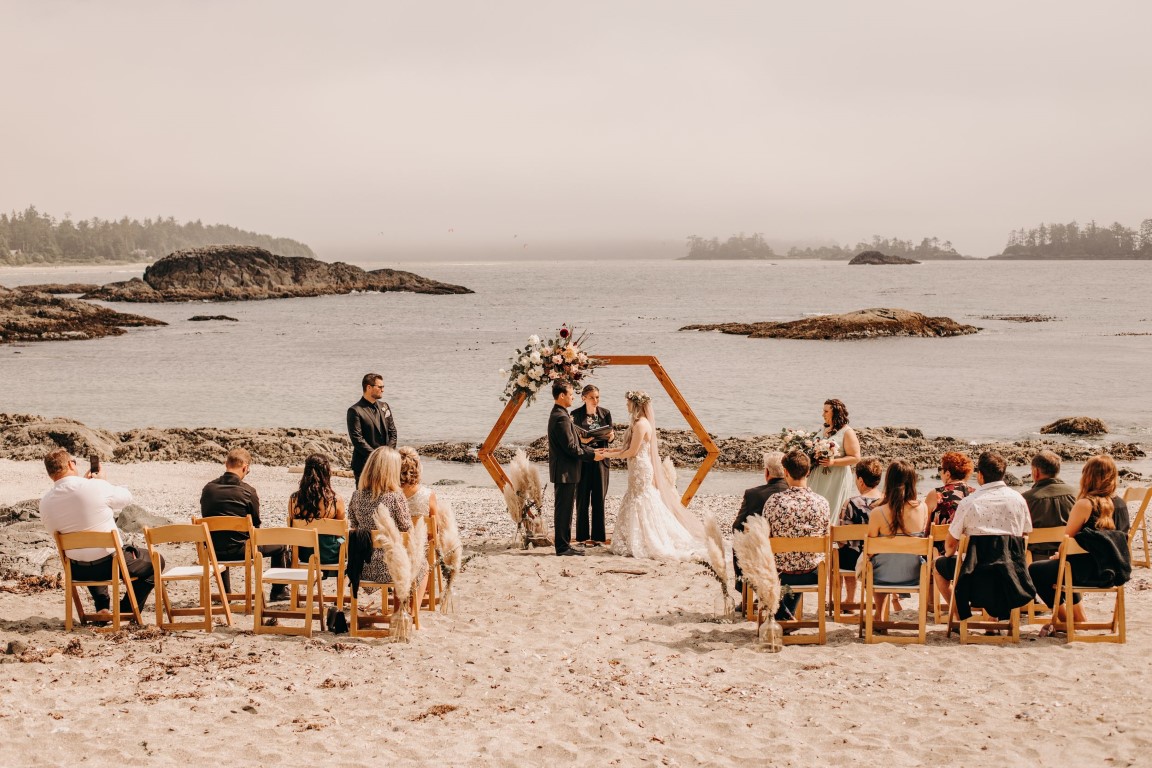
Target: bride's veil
665	484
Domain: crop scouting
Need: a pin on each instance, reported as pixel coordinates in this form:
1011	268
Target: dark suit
753	504
565	452
229	496
370	426
593	485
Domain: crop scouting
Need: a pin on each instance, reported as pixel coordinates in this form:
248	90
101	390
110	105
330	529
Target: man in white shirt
993	509
89	503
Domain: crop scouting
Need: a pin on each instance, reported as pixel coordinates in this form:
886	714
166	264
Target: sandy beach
546	659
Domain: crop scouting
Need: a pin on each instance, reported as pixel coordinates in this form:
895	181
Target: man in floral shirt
795	513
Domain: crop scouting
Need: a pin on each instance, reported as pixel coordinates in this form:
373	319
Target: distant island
755	247
30	237
872	258
1071	242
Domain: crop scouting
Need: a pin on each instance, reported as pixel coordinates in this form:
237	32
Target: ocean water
298	362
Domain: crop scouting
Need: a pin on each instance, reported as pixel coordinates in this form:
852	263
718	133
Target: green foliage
30	237
928	249
735	247
1071	241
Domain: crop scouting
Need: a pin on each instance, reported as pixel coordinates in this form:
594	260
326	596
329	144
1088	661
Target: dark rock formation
861	324
30	316
1075	425
203	318
134	519
877	258
55	288
234	273
1020	318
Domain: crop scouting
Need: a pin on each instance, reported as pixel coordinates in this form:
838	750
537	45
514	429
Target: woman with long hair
1097	507
832	475
315	500
421	500
900	512
651	522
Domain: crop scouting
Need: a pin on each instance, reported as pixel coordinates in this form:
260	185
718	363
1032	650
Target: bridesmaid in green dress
832	478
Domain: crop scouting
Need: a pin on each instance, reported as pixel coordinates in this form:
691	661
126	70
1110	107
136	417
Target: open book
599	433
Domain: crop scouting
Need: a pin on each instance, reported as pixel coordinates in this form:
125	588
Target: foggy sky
440	125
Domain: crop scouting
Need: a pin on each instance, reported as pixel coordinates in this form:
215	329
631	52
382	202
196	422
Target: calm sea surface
298	362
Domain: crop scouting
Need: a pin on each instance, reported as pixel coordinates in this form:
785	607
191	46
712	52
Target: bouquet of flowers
812	443
543	360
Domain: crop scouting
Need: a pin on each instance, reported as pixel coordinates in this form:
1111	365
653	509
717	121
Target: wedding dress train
645	526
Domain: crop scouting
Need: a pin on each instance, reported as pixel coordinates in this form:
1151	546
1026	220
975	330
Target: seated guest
993	509
1049	499
89	503
753	503
1097	510
856	511
315	500
941	502
900	512
421	499
229	496
796	512
379	488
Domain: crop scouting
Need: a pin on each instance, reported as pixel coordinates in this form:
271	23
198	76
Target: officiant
594	427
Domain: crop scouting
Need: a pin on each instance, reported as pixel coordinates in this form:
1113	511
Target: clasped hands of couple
603	453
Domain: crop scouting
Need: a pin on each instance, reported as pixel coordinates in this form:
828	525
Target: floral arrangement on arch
542	361
812	443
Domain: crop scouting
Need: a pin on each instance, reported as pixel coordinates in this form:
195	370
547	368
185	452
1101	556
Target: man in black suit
754	499
593	485
370	423
565	452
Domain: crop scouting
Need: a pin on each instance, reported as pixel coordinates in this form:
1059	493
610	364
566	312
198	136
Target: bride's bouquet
542	361
812	443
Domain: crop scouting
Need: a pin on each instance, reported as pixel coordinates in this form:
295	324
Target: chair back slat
290	537
855	532
176	534
324	526
1053	534
898	545
89	540
939	532
225	523
1069	547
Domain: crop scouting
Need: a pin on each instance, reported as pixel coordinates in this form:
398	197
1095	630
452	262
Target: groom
565	452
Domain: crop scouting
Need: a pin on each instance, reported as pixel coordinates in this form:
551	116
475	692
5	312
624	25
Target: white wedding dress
645	526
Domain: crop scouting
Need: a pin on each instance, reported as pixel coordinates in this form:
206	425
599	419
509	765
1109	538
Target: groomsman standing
370	423
593	485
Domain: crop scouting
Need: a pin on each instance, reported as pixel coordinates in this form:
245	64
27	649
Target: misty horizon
468	132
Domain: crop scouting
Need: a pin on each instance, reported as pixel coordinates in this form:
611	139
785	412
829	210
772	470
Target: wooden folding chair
385	615
308	577
239	525
120	576
780	545
1139	522
1011	625
840	534
1065	586
1052	535
900	545
939	535
205	573
325	528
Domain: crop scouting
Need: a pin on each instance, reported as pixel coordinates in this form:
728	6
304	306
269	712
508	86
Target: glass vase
770	636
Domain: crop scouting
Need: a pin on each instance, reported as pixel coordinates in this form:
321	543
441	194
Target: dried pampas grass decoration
524	496
450	549
717	562
399	564
753	548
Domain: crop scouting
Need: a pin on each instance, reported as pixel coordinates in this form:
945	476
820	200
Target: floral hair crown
637	397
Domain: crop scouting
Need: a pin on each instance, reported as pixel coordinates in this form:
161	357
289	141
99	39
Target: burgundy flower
564	332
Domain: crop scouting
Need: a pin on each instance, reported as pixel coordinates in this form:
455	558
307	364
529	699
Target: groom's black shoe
570	553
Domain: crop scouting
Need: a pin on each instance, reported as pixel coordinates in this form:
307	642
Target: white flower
533	340
537	372
503	372
524	362
535	358
522	380
546	351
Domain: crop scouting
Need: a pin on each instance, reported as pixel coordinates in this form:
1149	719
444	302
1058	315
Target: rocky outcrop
55	288
32	316
205	318
877	258
861	324
28	438
1020	318
1075	425
237	273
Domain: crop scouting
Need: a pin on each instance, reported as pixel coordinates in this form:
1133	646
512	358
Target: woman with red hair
955	469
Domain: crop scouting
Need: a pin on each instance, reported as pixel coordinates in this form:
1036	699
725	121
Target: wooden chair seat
1011	625
899	545
205	574
1114	629
310	577
120	577
811	544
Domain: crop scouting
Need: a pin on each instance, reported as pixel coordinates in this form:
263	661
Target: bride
652	523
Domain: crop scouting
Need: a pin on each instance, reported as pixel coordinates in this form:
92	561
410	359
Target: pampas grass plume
715	544
753	547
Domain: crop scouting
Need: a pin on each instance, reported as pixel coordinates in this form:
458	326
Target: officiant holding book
594	428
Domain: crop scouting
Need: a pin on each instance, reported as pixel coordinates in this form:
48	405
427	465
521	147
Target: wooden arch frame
506	418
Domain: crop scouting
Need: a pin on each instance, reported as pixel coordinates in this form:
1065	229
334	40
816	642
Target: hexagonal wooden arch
513	407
